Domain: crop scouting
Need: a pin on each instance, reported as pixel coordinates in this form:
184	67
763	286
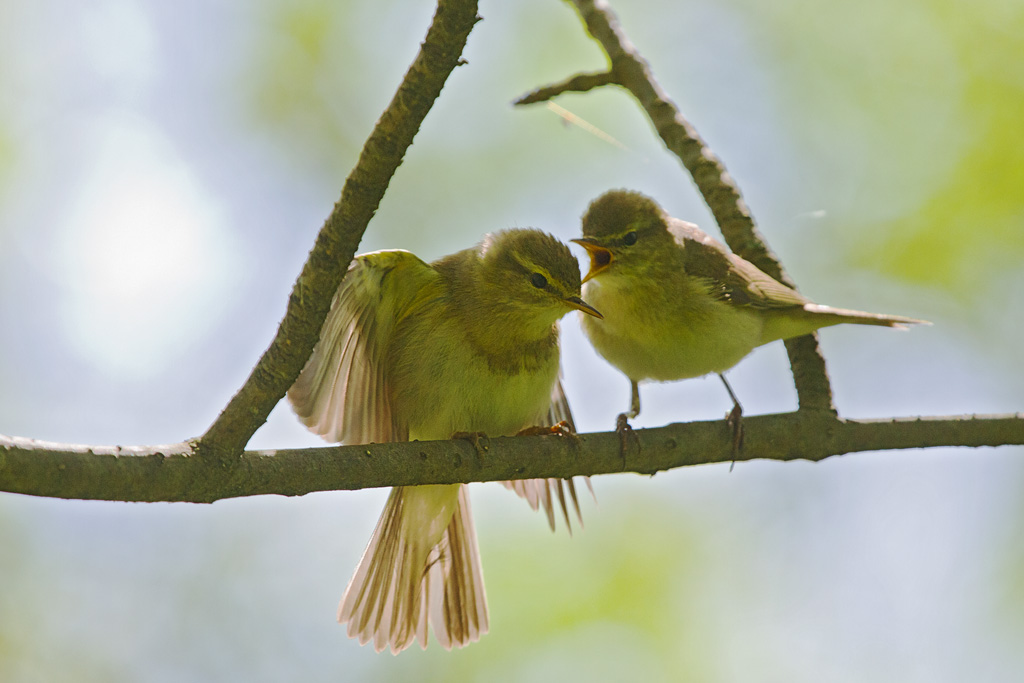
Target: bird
678	304
465	345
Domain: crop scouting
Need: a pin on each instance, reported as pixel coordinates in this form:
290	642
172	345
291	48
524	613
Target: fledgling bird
412	350
678	304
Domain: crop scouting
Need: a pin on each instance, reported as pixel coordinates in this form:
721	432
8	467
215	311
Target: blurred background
164	168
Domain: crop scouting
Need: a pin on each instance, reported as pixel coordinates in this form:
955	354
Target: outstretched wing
548	493
730	277
342	394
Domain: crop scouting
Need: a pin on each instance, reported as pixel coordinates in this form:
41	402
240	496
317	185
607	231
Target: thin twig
577	83
336	244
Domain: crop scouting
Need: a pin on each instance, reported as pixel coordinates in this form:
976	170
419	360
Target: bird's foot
563	428
626	435
735	421
481	442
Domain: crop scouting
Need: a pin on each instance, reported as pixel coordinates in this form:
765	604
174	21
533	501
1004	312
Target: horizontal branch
173	473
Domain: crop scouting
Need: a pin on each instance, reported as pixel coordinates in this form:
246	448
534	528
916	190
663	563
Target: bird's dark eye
630	238
538	281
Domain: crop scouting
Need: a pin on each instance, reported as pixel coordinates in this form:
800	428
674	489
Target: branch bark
172	473
628	69
336	244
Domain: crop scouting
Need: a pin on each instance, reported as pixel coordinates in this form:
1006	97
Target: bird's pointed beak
581	305
600	256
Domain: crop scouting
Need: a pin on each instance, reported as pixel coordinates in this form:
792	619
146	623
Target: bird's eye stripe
539	281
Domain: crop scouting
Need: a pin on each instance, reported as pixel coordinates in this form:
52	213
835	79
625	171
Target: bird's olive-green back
642	237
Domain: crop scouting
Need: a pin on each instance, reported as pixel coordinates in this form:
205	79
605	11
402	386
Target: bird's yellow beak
600	257
581	305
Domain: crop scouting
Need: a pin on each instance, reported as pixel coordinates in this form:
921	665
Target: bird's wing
751	286
549	493
730	277
342	393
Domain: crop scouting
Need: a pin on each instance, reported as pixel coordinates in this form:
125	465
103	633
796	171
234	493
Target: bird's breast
653	331
442	384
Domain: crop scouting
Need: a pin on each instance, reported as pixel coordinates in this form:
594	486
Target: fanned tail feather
547	493
458	604
418	567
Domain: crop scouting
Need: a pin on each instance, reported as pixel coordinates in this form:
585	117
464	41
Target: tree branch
336	244
171	473
631	71
577	83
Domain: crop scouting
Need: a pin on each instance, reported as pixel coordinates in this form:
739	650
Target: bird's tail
794	321
846	315
421	564
550	495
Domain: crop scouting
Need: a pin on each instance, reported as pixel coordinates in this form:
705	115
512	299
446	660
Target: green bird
415	350
678	304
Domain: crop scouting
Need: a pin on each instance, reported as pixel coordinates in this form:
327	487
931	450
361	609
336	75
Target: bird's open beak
581	305
600	257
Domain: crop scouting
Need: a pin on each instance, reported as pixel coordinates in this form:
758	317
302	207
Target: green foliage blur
930	93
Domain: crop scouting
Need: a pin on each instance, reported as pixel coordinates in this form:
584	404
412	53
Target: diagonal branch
170	473
630	70
336	244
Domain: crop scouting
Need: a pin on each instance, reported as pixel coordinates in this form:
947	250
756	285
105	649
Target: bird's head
529	271
623	231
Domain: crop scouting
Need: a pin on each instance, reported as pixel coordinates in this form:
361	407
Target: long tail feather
846	315
421	564
543	493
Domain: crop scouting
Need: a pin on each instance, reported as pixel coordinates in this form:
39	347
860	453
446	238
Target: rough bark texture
172	473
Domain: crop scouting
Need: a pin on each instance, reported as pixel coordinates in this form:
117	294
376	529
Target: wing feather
342	393
730	277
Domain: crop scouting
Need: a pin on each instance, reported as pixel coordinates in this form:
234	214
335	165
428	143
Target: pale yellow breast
653	332
440	385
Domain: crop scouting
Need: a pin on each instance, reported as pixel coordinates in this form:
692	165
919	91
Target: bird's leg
481	442
622	422
735	420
